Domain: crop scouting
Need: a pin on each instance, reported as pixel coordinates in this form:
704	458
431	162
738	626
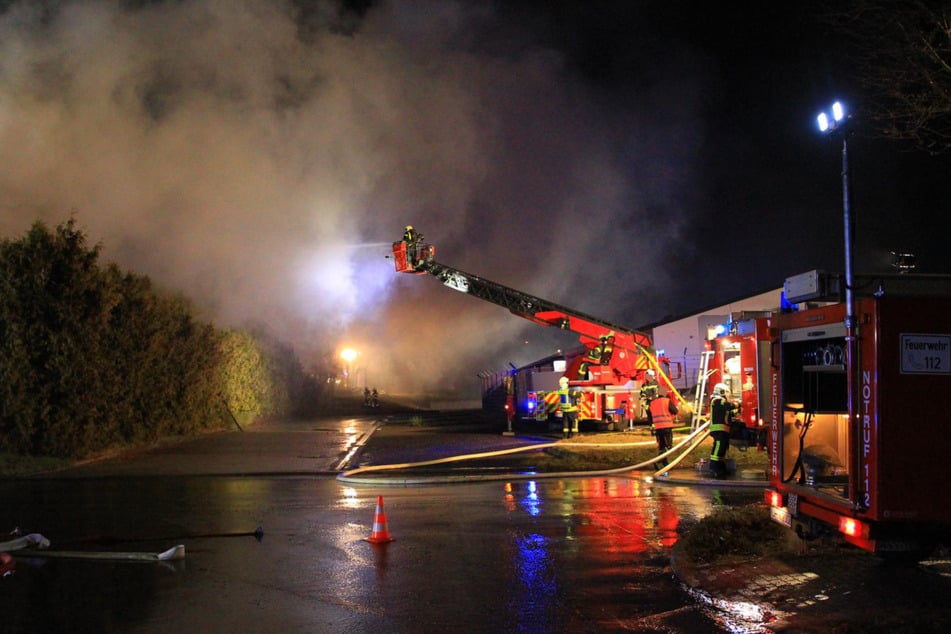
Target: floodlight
837	111
838	115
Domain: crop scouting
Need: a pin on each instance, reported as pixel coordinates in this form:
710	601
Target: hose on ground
693	445
349	476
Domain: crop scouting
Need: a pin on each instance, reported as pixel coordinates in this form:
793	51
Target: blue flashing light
785	305
721	329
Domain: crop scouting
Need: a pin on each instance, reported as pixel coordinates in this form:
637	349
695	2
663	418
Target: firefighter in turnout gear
648	394
410	236
663	410
413	239
598	355
721	415
569	409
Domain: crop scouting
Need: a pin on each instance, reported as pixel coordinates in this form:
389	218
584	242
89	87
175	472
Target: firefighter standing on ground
569	410
648	393
663	412
721	413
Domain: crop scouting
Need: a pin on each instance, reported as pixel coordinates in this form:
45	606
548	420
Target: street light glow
349	354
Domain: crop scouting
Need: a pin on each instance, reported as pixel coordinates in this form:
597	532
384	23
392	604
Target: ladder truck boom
628	352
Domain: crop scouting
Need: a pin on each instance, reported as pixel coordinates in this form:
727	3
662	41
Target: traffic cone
380	534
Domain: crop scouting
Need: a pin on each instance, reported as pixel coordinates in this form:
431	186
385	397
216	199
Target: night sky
634	160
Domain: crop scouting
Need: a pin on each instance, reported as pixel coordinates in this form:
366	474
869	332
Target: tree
900	52
56	307
91	357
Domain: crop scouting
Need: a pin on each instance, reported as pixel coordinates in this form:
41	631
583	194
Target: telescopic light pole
836	125
833	126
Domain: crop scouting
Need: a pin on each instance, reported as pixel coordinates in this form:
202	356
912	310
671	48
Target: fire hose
350	477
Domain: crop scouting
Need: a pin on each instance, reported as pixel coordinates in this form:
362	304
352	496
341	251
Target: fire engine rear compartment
815	442
888	467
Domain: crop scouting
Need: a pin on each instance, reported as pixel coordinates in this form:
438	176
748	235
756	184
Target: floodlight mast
833	126
837	125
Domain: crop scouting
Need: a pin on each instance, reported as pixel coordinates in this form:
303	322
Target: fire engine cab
859	436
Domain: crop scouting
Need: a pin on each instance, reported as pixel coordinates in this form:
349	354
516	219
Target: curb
734	590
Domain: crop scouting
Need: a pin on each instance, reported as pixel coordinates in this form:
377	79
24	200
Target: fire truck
607	371
738	355
859	436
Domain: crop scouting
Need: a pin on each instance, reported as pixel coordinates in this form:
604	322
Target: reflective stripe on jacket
564	401
720	410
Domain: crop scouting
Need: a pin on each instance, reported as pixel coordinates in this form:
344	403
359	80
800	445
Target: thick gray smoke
260	160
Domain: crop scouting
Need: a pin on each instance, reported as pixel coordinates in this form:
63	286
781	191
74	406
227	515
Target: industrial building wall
682	340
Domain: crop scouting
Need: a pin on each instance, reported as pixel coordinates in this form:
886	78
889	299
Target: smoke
260	156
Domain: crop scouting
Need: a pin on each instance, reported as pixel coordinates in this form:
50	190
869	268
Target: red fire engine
739	356
613	405
861	447
612	362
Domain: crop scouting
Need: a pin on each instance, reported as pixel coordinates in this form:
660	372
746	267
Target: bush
92	358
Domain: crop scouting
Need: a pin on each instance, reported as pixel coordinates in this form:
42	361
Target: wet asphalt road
563	555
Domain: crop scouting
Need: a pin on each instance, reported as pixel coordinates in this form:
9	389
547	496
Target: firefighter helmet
651	373
563	382
720	389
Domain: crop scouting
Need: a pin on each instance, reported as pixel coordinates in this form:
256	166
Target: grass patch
745	531
16	465
13	465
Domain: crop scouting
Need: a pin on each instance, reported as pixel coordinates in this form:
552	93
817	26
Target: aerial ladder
615	354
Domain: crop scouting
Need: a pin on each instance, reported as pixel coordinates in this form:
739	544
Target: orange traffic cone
381	534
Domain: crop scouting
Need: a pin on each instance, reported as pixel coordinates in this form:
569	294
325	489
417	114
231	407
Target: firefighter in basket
721	416
567	403
413	239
